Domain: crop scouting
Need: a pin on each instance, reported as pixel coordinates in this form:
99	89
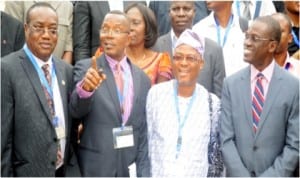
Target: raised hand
93	77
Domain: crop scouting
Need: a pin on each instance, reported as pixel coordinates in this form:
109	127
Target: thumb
94	63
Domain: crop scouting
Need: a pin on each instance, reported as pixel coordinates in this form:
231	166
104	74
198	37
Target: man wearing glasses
260	110
184	134
110	99
35	124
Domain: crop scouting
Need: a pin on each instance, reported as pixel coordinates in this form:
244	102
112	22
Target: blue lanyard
296	40
257	8
43	79
181	122
287	66
122	96
40	72
226	32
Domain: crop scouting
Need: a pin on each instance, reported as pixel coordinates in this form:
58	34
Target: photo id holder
123	137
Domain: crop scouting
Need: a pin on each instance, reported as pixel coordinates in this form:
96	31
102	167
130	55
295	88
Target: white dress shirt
233	49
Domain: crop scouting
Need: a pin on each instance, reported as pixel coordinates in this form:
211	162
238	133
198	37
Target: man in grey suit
111	105
260	110
182	14
35	124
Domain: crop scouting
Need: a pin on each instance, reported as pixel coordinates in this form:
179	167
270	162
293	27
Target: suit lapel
274	89
111	86
168	44
61	80
36	84
245	93
136	90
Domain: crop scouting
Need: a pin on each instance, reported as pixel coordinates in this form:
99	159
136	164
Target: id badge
60	132
123	137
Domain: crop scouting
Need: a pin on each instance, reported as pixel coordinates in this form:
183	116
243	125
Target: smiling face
259	45
114	35
186	71
40	32
182	14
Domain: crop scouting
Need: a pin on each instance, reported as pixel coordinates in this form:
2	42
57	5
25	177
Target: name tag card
60	132
123	137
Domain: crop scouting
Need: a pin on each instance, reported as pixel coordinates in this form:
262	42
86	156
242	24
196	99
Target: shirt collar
112	62
41	62
267	72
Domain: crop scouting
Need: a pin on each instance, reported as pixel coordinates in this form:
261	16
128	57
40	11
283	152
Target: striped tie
257	101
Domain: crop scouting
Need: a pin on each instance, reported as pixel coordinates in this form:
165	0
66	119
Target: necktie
48	97
246	13
120	83
258	100
51	106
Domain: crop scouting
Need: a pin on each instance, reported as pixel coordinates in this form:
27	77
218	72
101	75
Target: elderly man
183	135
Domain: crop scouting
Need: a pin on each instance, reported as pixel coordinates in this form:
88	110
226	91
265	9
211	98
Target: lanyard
296	40
226	31
287	66
121	96
43	79
181	121
257	8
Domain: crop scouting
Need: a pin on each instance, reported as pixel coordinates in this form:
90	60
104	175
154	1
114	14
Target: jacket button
253	174
53	163
254	148
55	139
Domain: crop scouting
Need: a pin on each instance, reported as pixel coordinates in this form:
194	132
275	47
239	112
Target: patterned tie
51	106
48	97
246	13
257	101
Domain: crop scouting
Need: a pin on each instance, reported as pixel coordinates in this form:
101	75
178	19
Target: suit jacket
64	10
100	114
274	149
161	9
28	137
213	72
88	18
12	34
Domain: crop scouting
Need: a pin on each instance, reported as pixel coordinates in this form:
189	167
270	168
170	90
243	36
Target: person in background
111	105
182	14
144	34
281	55
12	34
161	9
88	18
292	10
36	127
184	134
251	9
225	29
64	9
260	110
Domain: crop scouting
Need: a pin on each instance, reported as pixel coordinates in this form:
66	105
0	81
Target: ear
201	64
273	46
290	38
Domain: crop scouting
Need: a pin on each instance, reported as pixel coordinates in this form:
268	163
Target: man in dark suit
260	115
160	9
12	34
213	72
88	17
111	106
35	124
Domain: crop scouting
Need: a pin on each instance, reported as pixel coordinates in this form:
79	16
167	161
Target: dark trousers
60	172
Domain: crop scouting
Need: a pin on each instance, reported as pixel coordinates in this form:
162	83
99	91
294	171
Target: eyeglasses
188	58
113	31
41	30
255	38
